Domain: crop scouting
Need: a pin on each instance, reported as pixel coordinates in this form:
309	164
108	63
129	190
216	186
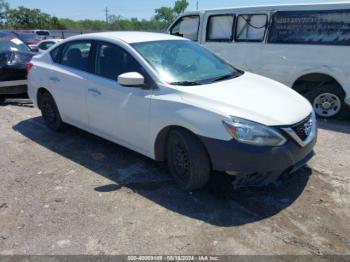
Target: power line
106	10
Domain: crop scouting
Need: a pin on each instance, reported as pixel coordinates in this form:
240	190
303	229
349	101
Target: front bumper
246	159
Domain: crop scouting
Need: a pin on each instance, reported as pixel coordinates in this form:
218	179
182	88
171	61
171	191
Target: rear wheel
50	113
188	160
328	102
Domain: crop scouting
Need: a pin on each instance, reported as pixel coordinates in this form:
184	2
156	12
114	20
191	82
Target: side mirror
131	79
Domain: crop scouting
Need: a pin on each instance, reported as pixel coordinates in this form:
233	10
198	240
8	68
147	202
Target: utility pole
106	10
197	4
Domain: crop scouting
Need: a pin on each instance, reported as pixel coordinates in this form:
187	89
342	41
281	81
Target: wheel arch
316	79
39	93
161	140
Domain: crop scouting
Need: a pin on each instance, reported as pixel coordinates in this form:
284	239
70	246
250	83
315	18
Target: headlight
253	133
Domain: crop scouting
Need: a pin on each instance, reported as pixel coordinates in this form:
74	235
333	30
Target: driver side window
186	27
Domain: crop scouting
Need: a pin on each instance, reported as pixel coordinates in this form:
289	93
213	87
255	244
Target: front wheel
328	102
188	160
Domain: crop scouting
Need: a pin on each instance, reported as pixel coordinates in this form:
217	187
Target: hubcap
49	113
327	105
180	160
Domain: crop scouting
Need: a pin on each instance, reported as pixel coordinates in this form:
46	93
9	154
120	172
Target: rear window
251	27
220	28
55	54
330	27
46	45
76	55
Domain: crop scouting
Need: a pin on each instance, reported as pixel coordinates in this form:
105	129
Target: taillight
29	66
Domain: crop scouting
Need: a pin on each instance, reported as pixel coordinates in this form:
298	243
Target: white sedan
47	44
172	100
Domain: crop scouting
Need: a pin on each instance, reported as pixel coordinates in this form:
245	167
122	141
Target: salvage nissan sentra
172	100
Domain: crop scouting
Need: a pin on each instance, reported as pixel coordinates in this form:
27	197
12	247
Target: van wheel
328	102
188	160
2	99
49	112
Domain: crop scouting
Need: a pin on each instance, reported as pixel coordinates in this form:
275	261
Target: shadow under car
217	204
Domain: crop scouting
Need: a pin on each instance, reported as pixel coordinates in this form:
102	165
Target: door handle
94	91
54	79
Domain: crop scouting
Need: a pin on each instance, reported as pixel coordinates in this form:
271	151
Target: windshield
182	62
12	43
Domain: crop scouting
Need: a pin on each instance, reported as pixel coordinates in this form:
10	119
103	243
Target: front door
116	112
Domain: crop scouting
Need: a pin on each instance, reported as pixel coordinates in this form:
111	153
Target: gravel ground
73	193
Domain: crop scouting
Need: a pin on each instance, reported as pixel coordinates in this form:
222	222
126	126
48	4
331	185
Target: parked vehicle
30	39
42	34
170	99
14	55
46	44
304	46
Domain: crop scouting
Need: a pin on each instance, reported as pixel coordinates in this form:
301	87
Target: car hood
251	97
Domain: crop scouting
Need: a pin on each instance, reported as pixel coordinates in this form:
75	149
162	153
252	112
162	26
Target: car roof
52	40
128	36
286	5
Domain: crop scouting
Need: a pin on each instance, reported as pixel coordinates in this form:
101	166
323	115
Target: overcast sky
92	9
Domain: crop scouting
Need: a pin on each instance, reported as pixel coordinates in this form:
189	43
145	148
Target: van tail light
29	66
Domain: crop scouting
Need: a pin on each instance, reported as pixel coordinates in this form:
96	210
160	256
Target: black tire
188	160
340	110
50	113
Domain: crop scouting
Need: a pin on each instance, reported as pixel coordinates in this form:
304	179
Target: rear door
68	81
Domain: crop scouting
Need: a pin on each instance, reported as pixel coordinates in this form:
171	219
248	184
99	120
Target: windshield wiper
224	77
193	83
185	83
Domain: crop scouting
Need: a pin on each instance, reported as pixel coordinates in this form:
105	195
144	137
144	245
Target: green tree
180	7
55	23
164	14
26	18
168	14
3	12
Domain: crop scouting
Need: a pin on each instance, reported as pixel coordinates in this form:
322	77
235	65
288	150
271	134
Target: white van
306	47
42	34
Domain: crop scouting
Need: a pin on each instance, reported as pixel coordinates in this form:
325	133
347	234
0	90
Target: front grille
300	128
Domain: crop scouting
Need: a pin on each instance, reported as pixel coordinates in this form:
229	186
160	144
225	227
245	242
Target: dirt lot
74	193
